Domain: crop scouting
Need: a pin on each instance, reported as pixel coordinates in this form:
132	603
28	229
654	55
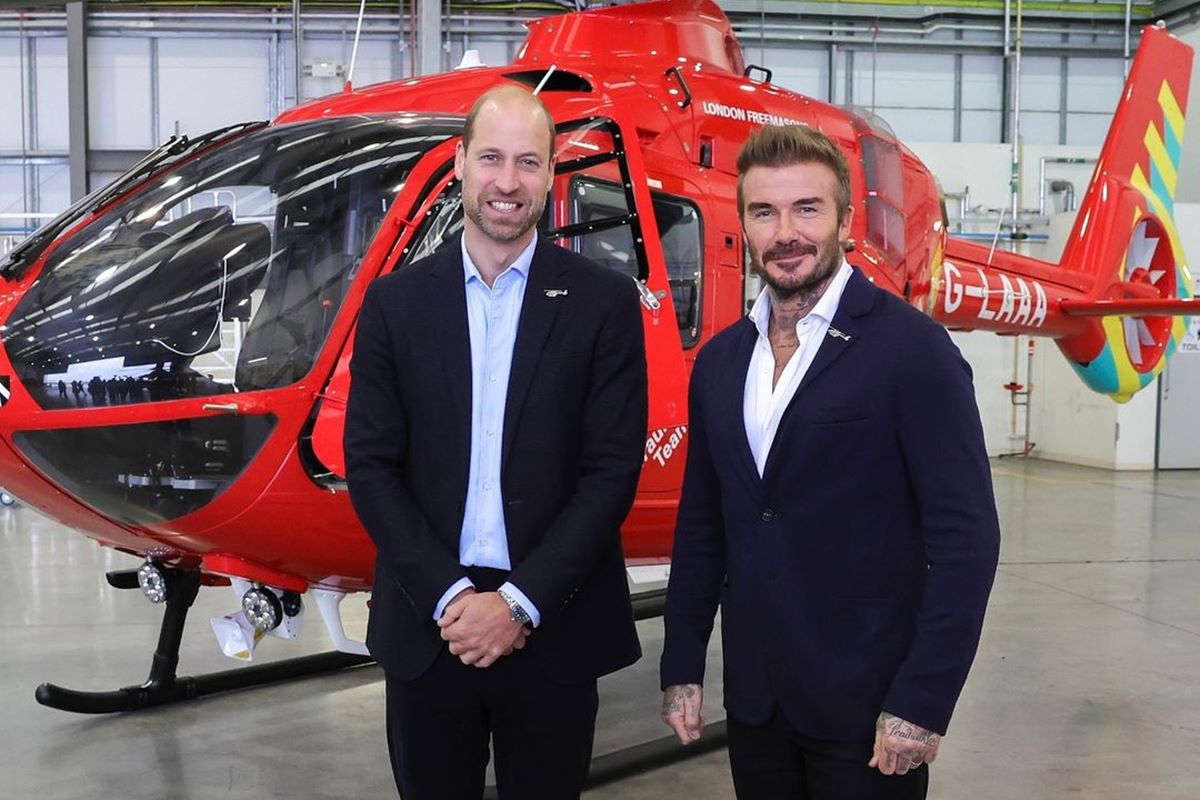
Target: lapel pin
555	293
835	333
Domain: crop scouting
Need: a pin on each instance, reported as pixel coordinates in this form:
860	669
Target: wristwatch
515	612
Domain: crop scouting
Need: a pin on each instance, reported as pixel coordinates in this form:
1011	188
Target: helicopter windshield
223	275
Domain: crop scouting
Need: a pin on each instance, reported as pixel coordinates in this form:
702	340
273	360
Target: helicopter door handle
677	73
650	299
228	408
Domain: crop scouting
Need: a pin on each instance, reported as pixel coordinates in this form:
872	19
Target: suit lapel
538	312
735	398
448	306
857	302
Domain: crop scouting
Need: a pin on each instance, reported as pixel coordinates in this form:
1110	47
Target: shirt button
767	515
487	487
491	433
492	378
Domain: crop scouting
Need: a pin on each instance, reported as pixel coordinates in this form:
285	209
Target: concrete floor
1087	683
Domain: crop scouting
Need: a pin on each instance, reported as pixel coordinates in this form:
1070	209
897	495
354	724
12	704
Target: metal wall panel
51	101
904	80
12	195
1087	129
980	126
920	125
10	94
1094	84
803	71
1040	127
119	81
202	87
1041	84
983	84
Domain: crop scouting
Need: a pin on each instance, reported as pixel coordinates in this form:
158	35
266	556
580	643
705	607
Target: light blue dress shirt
492	316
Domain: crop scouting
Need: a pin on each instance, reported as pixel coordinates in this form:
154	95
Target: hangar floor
1087	683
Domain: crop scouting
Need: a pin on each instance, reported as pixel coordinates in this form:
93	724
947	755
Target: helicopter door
434	219
603	210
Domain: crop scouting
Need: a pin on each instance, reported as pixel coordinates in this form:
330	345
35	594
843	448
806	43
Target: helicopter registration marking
662	443
1000	299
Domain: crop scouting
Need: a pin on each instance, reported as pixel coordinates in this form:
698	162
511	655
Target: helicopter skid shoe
163	687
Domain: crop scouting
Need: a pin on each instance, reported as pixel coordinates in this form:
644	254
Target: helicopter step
163	686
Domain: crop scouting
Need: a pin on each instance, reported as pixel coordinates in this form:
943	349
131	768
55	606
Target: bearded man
837	504
494	437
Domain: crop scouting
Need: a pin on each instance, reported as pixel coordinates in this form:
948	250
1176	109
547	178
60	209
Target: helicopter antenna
545	78
362	9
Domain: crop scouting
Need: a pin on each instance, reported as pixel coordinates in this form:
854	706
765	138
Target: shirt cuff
535	616
455	588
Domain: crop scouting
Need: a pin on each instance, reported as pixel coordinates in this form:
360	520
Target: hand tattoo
893	726
673	698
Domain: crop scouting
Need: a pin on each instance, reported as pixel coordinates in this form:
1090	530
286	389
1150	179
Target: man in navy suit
837	505
494	437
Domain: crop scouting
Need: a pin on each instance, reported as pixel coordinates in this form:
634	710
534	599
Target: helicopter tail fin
1125	235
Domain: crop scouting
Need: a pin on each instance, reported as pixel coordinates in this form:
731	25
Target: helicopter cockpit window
592	200
680	232
882	168
223	274
443	222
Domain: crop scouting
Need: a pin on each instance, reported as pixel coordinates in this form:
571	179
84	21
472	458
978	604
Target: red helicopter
175	347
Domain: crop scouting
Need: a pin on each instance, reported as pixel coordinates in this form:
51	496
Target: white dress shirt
764	404
493	314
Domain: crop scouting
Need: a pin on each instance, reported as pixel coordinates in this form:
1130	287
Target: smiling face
505	169
792	226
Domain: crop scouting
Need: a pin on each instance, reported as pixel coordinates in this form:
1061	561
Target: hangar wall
152	73
943	93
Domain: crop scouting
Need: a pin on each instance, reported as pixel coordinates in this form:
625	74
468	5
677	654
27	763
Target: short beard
829	258
508	233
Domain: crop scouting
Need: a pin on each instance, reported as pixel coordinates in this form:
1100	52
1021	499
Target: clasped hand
480	628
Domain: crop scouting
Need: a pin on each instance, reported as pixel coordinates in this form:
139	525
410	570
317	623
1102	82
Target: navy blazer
573	439
853	575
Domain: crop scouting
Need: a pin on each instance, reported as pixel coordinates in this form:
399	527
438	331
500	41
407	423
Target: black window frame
689	335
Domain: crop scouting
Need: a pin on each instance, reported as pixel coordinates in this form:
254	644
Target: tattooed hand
901	746
681	710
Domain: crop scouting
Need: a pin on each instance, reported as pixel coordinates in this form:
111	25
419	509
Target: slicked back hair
506	89
785	145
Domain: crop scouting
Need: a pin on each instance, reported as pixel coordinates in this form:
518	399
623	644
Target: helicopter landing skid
163	687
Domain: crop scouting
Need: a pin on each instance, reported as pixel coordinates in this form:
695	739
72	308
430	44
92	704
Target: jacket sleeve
942	443
375	443
612	444
698	555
